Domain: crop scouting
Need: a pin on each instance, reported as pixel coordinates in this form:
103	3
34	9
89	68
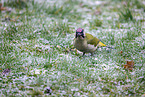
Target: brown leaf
58	46
129	65
121	52
6	71
143	95
2	8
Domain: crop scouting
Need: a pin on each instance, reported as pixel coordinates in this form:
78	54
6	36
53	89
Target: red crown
79	30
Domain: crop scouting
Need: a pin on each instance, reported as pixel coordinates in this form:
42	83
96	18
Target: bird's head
80	33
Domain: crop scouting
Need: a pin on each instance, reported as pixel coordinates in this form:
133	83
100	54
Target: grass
17	3
36	42
125	15
94	23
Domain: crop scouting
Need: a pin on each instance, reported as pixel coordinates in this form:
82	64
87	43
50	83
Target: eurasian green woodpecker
86	42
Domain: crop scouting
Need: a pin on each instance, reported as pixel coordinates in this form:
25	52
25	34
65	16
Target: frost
141	40
35	52
43	47
106	67
75	89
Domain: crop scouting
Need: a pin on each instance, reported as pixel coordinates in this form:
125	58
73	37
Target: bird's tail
100	44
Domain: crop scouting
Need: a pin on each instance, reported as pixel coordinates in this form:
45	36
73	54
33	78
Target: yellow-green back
91	39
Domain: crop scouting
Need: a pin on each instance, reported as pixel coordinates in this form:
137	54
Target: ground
37	52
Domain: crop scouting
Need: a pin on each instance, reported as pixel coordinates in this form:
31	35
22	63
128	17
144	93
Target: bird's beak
79	34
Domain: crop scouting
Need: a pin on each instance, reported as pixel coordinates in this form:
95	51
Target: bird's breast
82	46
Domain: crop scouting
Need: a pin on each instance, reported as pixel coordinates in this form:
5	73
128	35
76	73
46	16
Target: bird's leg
92	54
83	53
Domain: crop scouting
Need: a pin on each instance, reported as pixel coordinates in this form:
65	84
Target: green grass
20	4
94	23
35	44
125	14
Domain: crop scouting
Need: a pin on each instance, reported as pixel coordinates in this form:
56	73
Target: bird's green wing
91	39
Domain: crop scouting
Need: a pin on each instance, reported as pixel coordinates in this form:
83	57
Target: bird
86	42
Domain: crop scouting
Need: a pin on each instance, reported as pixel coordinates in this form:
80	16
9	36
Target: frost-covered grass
36	39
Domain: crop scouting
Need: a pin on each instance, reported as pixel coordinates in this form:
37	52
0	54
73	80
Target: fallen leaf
6	71
129	65
121	52
143	95
2	8
58	46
